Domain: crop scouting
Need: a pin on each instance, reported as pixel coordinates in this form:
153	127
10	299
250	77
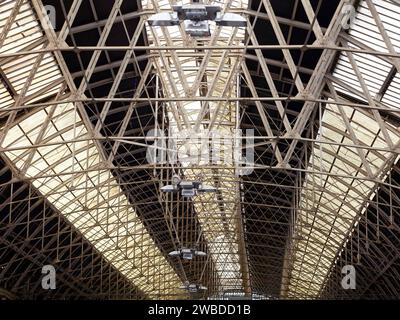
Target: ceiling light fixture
193	288
196	17
188	188
187	254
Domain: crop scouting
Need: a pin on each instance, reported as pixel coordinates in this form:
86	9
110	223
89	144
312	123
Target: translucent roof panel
331	203
334	194
374	69
88	196
24	33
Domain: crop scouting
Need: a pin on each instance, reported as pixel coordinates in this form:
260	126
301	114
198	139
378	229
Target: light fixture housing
188	188
230	20
193	287
196	11
196	18
197	28
163	19
187	253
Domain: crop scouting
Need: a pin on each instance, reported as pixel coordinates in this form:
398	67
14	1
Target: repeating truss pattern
81	107
371	248
333	205
36	234
180	77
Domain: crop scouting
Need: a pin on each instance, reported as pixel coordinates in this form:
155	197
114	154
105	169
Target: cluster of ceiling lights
193	288
187	188
189	254
196	18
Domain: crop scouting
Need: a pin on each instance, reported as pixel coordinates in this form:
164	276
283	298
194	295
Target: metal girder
9	22
282	42
132	106
313	20
20	96
366	93
261	111
316	83
119	75
271	83
328	46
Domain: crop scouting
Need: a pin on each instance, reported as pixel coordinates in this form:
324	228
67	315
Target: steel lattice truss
82	106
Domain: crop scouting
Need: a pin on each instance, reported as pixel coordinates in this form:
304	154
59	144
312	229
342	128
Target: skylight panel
391	96
374	69
25	31
332	214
